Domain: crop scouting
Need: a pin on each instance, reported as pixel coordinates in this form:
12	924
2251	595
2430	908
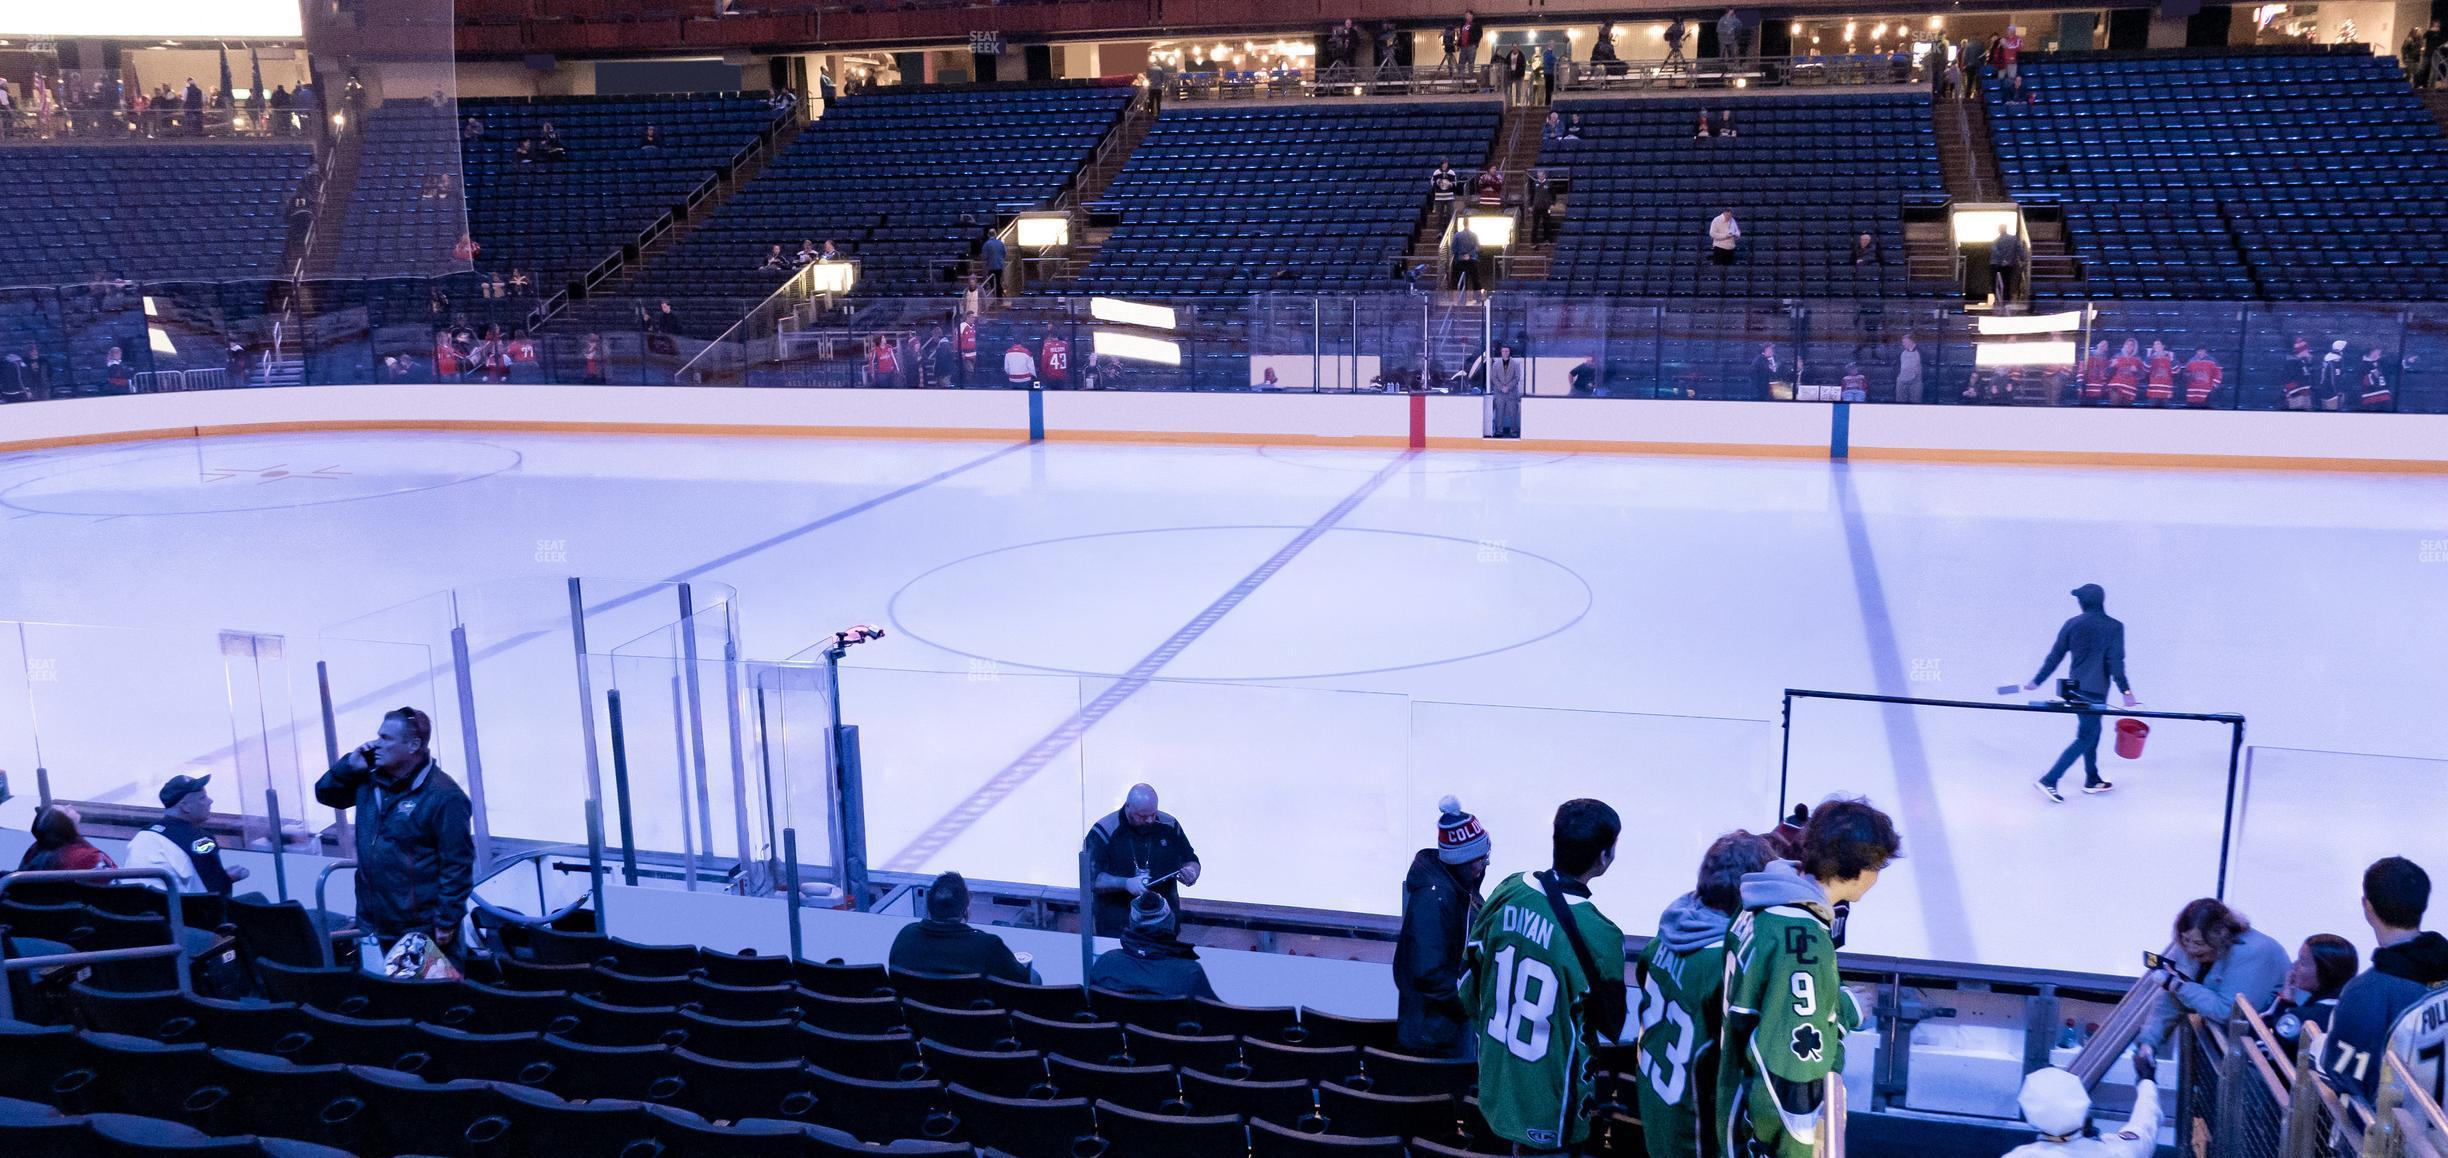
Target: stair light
1044	230
832	277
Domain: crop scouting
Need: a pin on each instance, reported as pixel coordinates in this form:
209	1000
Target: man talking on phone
2095	642
416	856
1137	849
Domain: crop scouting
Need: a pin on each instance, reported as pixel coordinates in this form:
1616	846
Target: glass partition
456	329
102	717
1946	771
1677	781
2308	823
465	655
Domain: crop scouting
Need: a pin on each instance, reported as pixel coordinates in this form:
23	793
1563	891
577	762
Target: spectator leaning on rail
2408	964
1440	899
946	944
416	857
2216	957
1677	996
2309	996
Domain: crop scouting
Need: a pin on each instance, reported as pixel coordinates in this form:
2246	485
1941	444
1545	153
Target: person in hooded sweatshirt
1440	900
1678	990
1785	1014
2409	969
1152	960
2095	641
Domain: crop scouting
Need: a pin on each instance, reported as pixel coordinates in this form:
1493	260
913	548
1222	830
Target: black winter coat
416	855
1437	911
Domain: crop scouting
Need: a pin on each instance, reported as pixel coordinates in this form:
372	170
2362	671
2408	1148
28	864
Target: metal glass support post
696	729
280	856
739	756
850	819
620	788
463	675
790	892
586	692
1087	916
595	863
331	727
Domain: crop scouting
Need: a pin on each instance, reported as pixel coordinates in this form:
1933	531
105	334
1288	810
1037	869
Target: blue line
999	787
1036	416
1840	431
1942	902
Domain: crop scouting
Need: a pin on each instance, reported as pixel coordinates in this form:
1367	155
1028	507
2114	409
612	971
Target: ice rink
1304	648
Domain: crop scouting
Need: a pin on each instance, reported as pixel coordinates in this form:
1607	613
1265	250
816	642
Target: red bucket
2131	734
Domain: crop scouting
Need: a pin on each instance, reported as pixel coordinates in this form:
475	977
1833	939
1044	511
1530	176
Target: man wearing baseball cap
1440	900
180	844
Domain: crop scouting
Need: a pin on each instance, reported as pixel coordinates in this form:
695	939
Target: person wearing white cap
1440	900
2056	1104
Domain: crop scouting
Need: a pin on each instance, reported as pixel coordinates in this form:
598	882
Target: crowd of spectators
52	106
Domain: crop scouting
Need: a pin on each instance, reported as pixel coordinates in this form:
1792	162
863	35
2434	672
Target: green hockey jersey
1531	1004
1679	988
1785	1021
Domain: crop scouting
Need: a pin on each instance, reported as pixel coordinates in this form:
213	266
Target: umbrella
255	91
223	96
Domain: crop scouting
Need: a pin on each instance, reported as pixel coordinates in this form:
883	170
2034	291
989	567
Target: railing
2246	1093
1577	76
176	950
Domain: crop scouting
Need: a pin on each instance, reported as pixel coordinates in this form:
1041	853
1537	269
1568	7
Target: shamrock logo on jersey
1807	1042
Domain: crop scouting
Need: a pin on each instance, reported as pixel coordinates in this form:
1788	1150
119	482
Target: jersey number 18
1525	1003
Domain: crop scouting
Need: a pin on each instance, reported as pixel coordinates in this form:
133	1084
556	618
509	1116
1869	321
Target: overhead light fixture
1981	226
1122	313
2029	323
2023	354
833	277
1044	230
1494	230
1135	347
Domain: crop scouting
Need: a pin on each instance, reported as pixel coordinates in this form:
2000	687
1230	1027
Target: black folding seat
1020	1127
1269	1140
338	1038
851	1014
1100	1042
445	1119
1279	1101
335	989
310	1103
730	1091
682	1134
35	1130
639	1073
599	1023
875	1111
546	1126
745	968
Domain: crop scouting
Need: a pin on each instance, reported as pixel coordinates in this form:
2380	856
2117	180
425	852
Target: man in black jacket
2096	642
945	944
2406	970
416	855
1440	900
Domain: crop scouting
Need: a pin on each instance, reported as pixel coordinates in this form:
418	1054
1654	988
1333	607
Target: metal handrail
176	950
323	881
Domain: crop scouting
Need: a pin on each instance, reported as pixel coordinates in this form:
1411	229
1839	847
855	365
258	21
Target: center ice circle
1353	601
